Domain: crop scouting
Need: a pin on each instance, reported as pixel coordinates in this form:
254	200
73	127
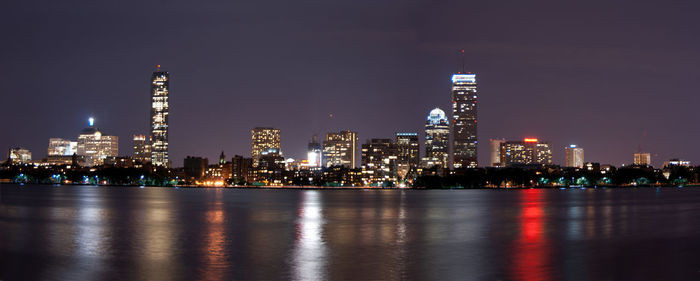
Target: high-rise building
264	141
495	156
379	158
574	156
96	146
62	147
142	149
437	139
642	159
314	153
160	90
340	149
464	120
19	155
527	152
408	148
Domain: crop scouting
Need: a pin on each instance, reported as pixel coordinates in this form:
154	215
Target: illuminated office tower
408	148
437	139
574	156
642	159
340	149
96	146
62	147
496	152
379	158
464	120
264	141
159	117
314	153
142	149
527	152
19	155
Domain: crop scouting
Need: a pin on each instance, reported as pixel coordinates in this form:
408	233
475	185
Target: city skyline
387	71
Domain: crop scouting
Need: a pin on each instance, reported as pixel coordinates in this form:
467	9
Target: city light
530	140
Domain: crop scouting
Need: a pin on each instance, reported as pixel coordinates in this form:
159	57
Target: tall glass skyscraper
464	120
159	117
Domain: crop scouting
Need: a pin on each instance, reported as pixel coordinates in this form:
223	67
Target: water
131	233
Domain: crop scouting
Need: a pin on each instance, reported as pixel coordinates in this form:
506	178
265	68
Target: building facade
574	156
464	120
264	141
530	151
96	146
195	167
379	161
408	148
160	91
62	147
437	139
642	159
19	155
495	153
241	169
340	149
314	153
142	149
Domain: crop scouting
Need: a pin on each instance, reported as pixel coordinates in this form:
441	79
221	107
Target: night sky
594	73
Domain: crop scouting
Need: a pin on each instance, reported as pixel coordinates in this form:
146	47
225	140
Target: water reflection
531	259
120	233
214	250
309	258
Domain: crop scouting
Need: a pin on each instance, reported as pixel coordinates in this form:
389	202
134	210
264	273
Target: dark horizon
595	74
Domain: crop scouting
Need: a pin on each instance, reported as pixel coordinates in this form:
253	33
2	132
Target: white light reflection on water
92	238
309	257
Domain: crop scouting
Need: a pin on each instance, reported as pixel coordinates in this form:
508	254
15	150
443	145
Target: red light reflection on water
531	249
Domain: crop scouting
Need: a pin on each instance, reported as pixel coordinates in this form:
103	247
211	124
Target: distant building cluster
338	158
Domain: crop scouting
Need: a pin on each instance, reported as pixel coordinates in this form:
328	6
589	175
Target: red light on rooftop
530	140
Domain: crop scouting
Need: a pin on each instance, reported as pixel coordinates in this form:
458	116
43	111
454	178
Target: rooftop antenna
462	54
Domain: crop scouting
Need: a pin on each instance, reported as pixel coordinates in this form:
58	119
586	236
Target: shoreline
361	187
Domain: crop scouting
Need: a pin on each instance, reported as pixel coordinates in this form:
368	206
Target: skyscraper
408	148
574	156
437	139
159	117
340	149
464	120
142	149
264	141
530	151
